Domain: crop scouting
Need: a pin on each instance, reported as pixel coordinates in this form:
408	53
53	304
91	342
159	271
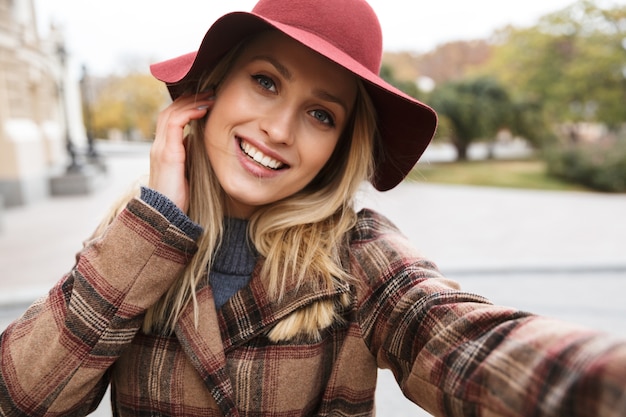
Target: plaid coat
451	352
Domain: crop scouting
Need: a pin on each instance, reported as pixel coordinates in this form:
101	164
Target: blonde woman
240	281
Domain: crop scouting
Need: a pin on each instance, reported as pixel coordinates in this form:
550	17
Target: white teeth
259	156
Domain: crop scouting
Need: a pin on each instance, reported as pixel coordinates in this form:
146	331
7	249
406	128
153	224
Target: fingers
173	119
167	154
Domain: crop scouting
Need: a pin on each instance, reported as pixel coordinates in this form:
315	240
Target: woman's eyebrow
284	71
326	96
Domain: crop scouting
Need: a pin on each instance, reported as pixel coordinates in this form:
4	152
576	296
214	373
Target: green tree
572	63
472	109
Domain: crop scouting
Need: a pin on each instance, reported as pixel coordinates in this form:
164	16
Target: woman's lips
259	157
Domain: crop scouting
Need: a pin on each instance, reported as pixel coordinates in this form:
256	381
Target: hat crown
349	25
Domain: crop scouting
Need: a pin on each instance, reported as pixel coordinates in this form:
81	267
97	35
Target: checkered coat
451	352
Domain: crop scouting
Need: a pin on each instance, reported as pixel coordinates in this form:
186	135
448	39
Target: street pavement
561	254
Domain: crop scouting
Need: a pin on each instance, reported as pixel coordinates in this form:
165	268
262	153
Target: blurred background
521	197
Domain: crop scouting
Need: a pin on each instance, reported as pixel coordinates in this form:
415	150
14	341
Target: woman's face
277	118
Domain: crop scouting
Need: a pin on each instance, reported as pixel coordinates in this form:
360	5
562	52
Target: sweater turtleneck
233	262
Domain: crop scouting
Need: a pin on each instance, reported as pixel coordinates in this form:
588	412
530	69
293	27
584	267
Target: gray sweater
234	260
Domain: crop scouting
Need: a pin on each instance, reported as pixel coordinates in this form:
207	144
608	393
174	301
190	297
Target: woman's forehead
292	58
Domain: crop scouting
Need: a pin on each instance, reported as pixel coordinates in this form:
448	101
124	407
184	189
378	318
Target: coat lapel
246	315
249	312
204	349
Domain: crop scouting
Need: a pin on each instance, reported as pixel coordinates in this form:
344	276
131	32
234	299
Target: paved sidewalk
560	254
38	241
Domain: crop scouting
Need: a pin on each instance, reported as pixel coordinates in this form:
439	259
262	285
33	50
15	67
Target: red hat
346	32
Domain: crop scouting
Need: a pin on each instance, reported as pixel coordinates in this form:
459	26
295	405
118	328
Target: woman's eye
265	82
323	117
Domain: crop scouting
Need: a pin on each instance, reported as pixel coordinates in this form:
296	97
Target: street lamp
92	154
74	166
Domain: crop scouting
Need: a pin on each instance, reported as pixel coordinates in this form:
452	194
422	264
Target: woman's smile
259	157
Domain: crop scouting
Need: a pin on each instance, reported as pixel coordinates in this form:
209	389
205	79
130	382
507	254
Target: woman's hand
168	152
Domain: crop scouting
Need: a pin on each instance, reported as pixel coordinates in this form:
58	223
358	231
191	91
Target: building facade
34	92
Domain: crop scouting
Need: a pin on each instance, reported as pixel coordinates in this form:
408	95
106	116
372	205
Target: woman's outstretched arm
455	354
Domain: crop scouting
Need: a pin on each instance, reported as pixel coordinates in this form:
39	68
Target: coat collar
247	314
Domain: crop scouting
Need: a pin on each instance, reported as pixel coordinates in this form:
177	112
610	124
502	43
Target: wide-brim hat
348	33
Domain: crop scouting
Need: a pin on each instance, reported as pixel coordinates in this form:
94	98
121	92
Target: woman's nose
279	125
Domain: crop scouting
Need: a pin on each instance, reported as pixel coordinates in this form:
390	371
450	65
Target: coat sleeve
455	354
55	358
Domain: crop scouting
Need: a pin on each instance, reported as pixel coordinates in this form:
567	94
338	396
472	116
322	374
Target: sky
107	36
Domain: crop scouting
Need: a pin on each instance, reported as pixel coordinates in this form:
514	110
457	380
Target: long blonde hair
298	238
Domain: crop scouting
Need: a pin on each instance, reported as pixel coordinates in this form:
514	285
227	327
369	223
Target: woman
241	282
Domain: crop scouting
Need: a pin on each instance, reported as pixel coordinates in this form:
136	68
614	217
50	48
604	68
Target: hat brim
406	125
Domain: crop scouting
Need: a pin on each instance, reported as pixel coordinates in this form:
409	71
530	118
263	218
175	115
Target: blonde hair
299	238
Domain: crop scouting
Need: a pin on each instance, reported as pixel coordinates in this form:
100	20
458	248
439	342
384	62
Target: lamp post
78	178
73	166
92	154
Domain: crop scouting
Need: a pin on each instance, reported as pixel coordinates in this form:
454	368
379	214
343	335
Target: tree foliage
127	103
573	62
473	109
446	62
387	73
